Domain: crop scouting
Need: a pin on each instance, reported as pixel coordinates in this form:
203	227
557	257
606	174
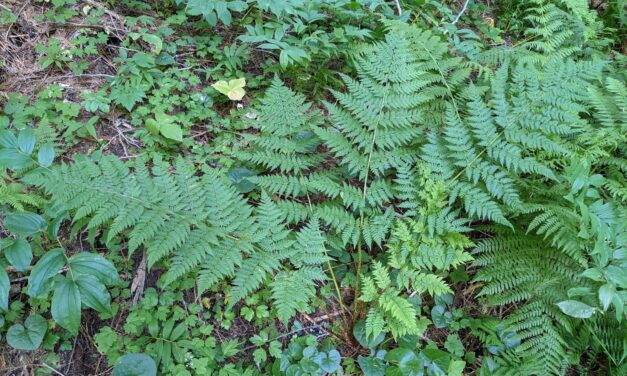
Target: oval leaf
26	140
19	254
24	223
5	286
171	131
576	309
47	267
93	293
95	265
7	139
45	155
66	305
135	365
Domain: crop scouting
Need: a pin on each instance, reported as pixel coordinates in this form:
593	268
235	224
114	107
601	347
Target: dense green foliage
265	187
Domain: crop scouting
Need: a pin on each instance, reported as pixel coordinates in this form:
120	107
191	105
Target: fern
191	223
523	268
526	123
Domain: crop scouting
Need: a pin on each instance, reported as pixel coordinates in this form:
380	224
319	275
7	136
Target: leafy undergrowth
347	187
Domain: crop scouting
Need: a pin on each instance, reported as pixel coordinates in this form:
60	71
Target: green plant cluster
346	187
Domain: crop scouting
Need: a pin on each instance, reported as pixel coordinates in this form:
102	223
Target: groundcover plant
313	187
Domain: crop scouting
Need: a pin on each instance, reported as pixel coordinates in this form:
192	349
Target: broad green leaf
359	332
617	275
19	254
95	265
66	305
171	131
5	287
329	362
24	223
135	365
45	155
371	366
234	89
26	140
27	336
606	292
48	266
8	139
238	177
576	309
14	159
93	293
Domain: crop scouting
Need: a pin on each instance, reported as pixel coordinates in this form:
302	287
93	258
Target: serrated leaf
234	89
128	95
576	309
19	254
66	305
28	336
47	267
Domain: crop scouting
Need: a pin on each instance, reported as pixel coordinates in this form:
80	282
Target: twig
398	7
52	369
460	13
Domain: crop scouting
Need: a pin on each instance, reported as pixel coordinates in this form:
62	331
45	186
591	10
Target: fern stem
331	272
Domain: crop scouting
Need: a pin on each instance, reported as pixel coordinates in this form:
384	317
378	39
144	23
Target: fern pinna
192	223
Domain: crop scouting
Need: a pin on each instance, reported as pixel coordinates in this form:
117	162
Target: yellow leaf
234	89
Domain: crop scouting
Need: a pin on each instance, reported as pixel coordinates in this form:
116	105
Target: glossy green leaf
329	362
19	254
7	139
371	366
576	309
238	177
93	293
48	266
26	140
95	265
14	159
66	304
171	131
24	223
359	332
5	287
617	275
29	335
135	365
45	155
606	292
